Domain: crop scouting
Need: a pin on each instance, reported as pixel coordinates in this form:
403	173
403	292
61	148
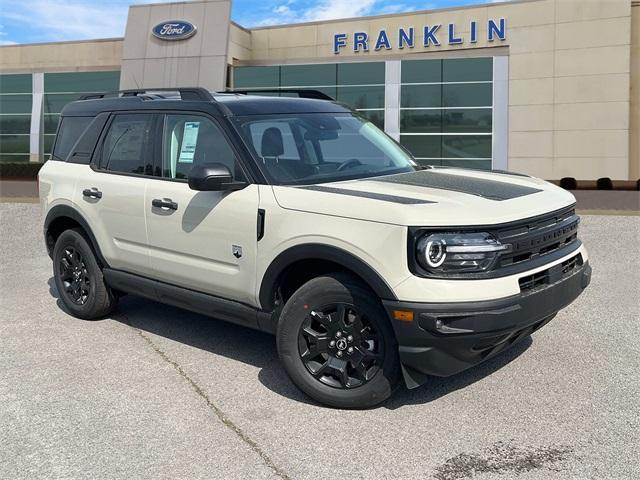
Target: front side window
320	147
125	146
191	140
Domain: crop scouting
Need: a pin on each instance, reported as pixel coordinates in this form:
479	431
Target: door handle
164	203
92	193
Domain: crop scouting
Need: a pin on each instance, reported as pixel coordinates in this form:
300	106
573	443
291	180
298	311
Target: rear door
204	241
111	192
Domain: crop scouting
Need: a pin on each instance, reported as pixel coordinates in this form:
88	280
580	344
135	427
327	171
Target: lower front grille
550	275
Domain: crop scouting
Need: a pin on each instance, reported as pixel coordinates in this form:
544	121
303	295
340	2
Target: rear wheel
336	343
79	279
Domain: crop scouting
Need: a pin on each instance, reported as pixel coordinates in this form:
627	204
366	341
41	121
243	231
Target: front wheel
336	343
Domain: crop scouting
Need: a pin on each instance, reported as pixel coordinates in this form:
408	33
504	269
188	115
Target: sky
32	21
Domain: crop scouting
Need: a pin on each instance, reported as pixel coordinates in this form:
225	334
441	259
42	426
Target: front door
204	241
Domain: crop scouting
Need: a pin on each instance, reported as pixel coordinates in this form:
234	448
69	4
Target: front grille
550	275
538	237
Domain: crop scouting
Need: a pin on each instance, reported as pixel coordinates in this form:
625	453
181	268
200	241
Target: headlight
459	252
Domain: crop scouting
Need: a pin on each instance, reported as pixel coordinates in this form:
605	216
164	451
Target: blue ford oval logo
174	30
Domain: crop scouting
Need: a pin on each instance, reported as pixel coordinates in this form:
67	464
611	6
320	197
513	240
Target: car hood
431	197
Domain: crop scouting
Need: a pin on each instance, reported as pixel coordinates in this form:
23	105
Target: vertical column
37	96
500	113
392	79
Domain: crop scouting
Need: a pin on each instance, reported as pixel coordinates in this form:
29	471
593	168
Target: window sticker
189	141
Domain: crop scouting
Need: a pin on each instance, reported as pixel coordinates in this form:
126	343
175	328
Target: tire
79	279
339	309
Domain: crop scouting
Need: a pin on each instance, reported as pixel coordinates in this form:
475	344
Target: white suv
298	217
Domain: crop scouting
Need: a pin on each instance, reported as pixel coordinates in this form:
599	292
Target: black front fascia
447	338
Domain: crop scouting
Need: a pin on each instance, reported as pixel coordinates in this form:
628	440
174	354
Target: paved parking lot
156	392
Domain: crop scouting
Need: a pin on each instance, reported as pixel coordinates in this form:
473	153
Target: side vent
261	216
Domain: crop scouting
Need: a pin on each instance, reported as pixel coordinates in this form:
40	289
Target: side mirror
213	177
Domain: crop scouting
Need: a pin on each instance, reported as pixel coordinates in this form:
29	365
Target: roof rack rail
186	93
302	92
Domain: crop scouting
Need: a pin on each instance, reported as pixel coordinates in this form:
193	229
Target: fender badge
236	250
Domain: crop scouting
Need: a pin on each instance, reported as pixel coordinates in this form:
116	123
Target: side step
198	302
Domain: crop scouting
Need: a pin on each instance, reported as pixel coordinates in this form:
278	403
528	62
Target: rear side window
126	143
70	130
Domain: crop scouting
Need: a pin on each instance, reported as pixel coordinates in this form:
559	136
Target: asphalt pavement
156	392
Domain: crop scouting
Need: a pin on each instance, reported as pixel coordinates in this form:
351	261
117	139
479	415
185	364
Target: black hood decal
374	196
480	187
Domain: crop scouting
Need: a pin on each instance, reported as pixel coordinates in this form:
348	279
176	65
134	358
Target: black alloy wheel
336	342
74	276
78	277
340	347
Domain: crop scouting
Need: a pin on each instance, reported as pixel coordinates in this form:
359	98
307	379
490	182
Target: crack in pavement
216	410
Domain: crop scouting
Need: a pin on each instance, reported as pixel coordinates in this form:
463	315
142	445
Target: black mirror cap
213	177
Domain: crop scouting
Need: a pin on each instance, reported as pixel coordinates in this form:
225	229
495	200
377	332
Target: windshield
298	149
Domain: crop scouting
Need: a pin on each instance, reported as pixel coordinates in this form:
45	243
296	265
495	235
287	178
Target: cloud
323	10
46	20
28	21
331	9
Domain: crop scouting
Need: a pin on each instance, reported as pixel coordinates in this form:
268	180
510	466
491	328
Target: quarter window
71	128
125	146
193	140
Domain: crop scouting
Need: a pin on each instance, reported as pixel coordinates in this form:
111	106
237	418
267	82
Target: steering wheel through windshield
354	162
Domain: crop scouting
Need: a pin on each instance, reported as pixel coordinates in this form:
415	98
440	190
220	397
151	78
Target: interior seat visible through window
193	140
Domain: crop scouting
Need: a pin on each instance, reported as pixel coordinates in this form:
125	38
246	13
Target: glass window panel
54	103
124	147
467	95
307	75
361	73
47	144
467	121
361	97
422	145
15	123
192	140
22	157
475	164
15	103
70	131
421	96
51	123
14	143
374	116
421	121
15	83
248	77
466	146
82	82
467	69
421	71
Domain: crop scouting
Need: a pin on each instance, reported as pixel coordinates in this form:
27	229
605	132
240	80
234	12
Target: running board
198	302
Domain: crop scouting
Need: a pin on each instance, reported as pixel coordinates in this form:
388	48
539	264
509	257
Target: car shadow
258	349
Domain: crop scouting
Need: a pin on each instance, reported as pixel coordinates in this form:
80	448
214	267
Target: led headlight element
435	252
459	252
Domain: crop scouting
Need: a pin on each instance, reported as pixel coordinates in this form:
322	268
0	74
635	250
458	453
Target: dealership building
545	87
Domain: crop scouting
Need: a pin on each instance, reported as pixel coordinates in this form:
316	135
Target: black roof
227	104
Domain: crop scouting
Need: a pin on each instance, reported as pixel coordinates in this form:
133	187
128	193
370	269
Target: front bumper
447	338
